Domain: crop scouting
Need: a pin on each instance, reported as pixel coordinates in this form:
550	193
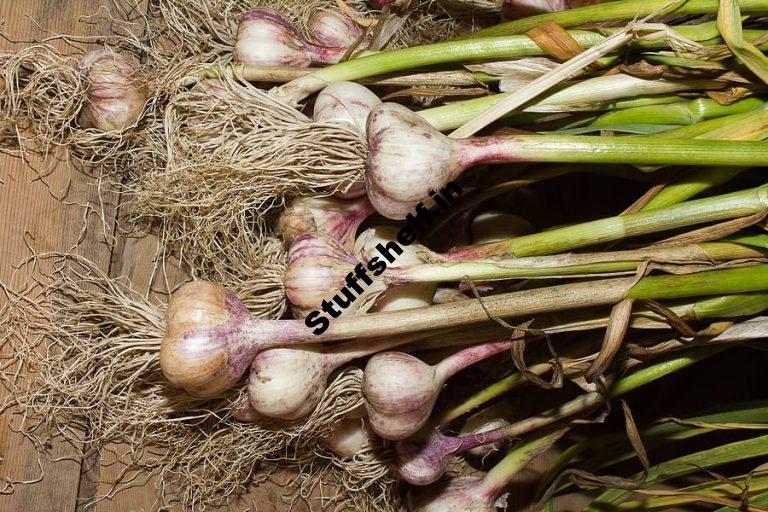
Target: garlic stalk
211	339
481	494
267	38
115	101
408	158
400	390
464	50
424	460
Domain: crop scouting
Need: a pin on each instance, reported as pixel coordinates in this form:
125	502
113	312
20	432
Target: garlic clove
407	158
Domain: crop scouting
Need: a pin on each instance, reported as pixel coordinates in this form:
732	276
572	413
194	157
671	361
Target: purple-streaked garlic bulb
351	103
201	351
493	226
380	4
114	100
211	338
350	437
288	382
334	29
457	495
400	389
267	38
424	459
333	218
346	102
405	296
317	269
408	158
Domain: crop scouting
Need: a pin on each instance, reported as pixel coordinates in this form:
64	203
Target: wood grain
31	209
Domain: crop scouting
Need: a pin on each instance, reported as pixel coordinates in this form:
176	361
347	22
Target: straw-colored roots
83	357
232	157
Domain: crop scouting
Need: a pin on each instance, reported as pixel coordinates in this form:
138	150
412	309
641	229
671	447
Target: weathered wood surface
30	209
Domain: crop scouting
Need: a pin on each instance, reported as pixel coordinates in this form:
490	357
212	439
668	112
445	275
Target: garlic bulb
321	272
396	296
334	29
351	103
407	158
337	219
115	101
267	38
400	390
211	338
493	226
346	102
350	437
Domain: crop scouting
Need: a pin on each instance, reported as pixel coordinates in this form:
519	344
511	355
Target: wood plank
28	207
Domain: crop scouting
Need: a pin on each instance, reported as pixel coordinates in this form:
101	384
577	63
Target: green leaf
723	454
641	129
729	24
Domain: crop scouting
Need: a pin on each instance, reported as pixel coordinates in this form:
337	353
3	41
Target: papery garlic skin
267	38
316	271
334	29
114	100
407	158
